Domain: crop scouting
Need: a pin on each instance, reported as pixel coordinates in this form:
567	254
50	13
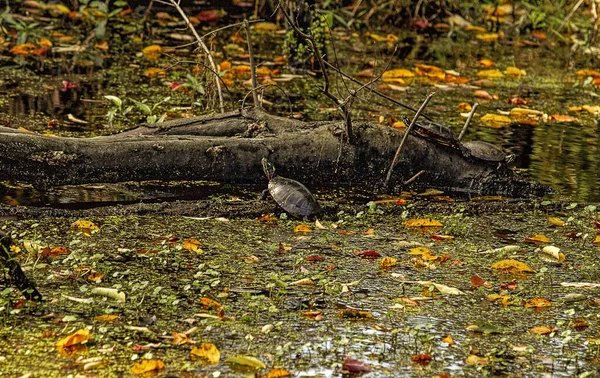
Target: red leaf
367	254
597	224
315	258
353	365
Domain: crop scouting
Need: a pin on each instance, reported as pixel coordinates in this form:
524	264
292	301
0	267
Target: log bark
228	148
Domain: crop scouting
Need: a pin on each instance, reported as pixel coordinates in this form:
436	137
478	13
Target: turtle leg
264	195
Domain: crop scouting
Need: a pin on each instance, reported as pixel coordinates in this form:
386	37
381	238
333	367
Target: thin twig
406	132
271	85
319	58
252	66
204	47
374	91
469	118
414	177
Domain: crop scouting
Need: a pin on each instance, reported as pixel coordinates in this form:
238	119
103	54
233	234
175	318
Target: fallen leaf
84	226
354	366
368	254
563	118
354	314
192	245
491	74
542	330
487	37
483	94
443	289
180	338
476	360
448	340
538	303
512	266
486	63
207	352
585	73
422	222
304	281
314	258
422	359
387	263
152	52
146	366
514	71
78	337
302	228
277	373
496	120
106	318
554	252
537	239
210	304
246	361
556	221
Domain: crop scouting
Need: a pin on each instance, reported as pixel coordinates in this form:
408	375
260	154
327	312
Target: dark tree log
15	273
228	148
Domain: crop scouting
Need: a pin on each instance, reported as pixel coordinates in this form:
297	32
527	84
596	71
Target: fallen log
228	148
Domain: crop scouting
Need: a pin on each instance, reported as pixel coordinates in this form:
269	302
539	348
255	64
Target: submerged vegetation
423	285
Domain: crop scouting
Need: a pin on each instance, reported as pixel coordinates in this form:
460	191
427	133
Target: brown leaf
368	254
354	366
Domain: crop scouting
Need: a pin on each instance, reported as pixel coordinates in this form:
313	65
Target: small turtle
488	152
437	133
291	195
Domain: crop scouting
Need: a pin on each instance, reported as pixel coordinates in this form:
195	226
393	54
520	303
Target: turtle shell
293	197
435	131
488	152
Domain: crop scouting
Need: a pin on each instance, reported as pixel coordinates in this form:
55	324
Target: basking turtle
437	133
488	152
291	195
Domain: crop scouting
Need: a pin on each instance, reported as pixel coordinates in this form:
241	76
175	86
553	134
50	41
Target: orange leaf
421	358
483	94
265	26
146	366
486	63
152	52
563	118
542	330
277	373
24	49
154	73
538	239
430	71
181	339
477	281
210	304
77	338
488	37
584	73
538	303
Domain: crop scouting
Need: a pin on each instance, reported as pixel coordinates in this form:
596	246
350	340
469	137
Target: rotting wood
229	147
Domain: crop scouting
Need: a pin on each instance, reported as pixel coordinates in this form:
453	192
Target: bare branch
466	126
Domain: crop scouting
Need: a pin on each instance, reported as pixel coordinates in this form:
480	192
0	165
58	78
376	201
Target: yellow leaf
597	240
491	74
541	330
524	112
397	72
514	71
192	245
277	373
152	52
85	226
44	42
420	251
486	63
208	352
556	221
563	118
390	38
106	318
77	338
488	37
476	29
154	73
265	26
246	361
537	239
180	338
503	299
302	228
476	360
58	9
430	71
146	366
496	120
387	263
422	222
513	266
448	340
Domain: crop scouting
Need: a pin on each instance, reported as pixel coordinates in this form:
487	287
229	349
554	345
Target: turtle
437	133
290	194
488	152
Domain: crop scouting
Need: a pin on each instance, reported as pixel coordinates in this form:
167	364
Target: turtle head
268	168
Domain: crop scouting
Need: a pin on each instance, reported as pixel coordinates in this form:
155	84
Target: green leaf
246	361
115	100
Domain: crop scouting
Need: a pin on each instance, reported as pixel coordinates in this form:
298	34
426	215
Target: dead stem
469	118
